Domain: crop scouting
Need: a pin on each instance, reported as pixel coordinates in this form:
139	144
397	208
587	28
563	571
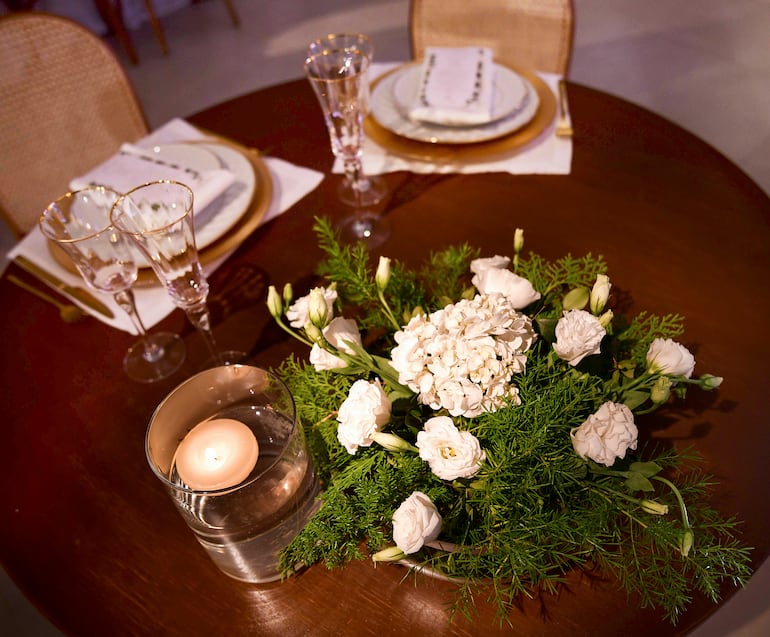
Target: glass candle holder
228	449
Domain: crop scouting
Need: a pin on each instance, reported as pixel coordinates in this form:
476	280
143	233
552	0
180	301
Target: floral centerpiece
480	417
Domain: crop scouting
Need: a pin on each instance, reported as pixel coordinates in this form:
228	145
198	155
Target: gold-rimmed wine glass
158	217
337	68
80	223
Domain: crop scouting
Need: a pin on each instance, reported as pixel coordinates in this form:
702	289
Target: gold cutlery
77	293
69	313
564	127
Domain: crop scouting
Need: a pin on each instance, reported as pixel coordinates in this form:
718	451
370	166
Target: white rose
606	435
415	522
669	357
515	288
451	453
578	334
336	332
298	311
362	414
482	265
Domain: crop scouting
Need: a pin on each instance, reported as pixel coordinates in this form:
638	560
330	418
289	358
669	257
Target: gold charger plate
246	224
476	151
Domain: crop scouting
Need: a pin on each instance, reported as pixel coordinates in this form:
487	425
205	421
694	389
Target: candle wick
212	455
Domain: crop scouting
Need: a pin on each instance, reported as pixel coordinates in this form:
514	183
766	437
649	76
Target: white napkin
455	86
290	184
134	165
547	154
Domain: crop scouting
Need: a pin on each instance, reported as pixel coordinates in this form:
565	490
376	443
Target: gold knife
564	128
77	293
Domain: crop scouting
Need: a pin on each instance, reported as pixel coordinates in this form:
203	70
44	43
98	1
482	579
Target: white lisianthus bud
317	308
661	390
383	273
653	507
600	293
288	293
314	333
392	442
274	305
707	381
390	554
686	542
518	240
298	313
606	318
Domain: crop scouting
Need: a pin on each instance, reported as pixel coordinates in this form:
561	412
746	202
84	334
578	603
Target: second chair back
66	106
529	34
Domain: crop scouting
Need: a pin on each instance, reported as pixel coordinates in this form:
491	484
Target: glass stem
355	176
199	316
125	299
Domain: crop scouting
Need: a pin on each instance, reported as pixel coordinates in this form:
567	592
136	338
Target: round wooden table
93	540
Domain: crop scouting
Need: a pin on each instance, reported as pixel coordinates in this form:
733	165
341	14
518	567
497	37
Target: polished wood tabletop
88	532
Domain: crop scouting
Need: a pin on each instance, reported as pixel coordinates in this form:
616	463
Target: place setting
235	190
458	110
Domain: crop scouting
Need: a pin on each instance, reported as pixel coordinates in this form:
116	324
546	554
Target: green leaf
576	299
633	399
637	482
647	469
547	328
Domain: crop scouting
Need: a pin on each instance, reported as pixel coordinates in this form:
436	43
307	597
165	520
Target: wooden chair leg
156	26
233	13
113	16
231	10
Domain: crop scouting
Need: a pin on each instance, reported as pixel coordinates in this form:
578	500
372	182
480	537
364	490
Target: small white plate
393	95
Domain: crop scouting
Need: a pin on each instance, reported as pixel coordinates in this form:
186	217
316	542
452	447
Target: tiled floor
704	65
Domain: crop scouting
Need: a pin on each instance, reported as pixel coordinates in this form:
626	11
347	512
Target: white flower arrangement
500	427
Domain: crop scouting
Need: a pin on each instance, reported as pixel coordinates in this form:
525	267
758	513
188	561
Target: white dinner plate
393	95
223	213
213	221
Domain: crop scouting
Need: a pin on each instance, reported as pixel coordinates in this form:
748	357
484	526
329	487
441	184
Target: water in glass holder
243	526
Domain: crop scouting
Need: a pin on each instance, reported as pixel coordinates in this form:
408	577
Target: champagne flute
79	222
337	69
364	44
158	217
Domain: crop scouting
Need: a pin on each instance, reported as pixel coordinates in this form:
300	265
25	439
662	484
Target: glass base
145	368
371	192
370	229
227	357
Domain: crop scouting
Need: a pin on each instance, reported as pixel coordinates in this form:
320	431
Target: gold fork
564	128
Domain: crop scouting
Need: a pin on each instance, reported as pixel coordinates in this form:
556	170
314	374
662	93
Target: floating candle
216	454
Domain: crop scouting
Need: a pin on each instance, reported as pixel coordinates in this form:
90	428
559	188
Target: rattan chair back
529	34
66	105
